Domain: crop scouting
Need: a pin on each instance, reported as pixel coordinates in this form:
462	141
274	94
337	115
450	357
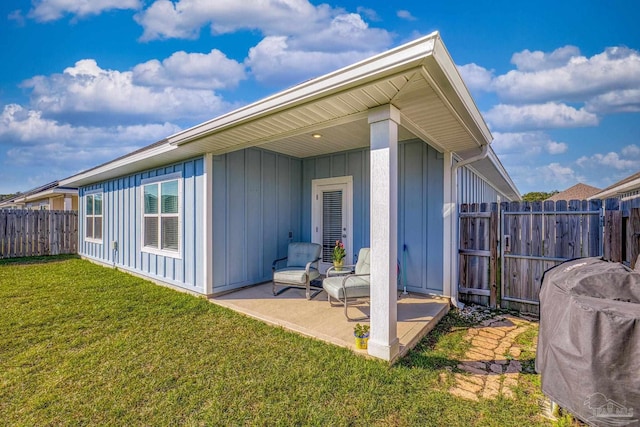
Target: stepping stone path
488	372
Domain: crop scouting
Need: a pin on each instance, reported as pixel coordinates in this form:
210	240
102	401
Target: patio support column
383	123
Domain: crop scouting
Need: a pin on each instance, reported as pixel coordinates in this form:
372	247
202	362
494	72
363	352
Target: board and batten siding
256	213
472	188
122	223
420	201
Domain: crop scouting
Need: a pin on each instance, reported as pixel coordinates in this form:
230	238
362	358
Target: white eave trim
53	191
393	61
616	191
449	68
83	177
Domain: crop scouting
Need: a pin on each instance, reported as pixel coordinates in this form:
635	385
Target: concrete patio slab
417	314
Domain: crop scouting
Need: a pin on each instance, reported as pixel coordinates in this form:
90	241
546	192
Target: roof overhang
617	190
491	169
54	192
418	78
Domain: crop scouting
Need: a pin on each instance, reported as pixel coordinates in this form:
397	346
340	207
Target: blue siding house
377	154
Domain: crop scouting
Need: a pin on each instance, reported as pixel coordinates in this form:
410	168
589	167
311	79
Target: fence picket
37	232
542	235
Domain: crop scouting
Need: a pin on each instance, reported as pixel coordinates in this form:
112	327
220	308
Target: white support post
207	222
383	122
450	246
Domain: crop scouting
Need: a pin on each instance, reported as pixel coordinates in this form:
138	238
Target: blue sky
85	81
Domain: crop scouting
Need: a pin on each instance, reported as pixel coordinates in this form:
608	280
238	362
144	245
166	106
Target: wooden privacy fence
26	233
505	249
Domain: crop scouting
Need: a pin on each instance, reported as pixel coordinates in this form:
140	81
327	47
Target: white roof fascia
507	187
391	62
53	191
79	179
395	60
616	191
503	173
442	56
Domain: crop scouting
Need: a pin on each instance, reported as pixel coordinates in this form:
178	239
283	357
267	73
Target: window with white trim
161	217
93	217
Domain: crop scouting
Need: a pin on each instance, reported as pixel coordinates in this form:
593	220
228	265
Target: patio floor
417	314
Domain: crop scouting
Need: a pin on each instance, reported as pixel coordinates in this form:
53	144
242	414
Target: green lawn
85	345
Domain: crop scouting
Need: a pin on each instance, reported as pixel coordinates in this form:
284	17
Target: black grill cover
589	341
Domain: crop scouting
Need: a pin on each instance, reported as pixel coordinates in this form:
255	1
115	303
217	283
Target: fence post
612	245
634	236
493	260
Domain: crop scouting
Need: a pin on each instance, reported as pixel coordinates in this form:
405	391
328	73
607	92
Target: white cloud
631	151
563	75
191	70
301	40
185	18
476	77
629	161
29	127
273	61
557	174
17	16
86	90
545	177
538	60
556	147
368	13
51	10
37	141
307	27
526	144
344	33
405	14
539	116
620	101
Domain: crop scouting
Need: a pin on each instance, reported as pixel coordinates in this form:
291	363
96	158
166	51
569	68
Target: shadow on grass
37	259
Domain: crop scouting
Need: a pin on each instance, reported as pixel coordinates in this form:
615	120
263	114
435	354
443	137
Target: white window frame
158	181
92	194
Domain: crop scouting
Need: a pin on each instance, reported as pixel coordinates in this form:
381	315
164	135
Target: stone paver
487	371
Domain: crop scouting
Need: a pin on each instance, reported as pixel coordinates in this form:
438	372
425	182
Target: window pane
89	204
151	232
88	229
97	204
331	222
169	197
97	228
151	199
170	233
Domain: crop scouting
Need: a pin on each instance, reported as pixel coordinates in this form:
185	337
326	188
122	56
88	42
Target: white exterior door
332	217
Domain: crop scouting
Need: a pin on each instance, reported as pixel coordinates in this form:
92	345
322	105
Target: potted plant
338	255
361	332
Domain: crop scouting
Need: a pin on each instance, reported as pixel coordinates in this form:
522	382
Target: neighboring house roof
418	78
43	191
579	191
629	184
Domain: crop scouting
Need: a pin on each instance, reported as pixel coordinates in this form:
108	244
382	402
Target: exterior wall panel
122	219
255	206
472	188
420	201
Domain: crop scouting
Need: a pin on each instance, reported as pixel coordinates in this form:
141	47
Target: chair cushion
294	276
357	286
300	253
363	266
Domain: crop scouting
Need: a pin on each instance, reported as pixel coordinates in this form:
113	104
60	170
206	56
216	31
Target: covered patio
417	314
369	154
